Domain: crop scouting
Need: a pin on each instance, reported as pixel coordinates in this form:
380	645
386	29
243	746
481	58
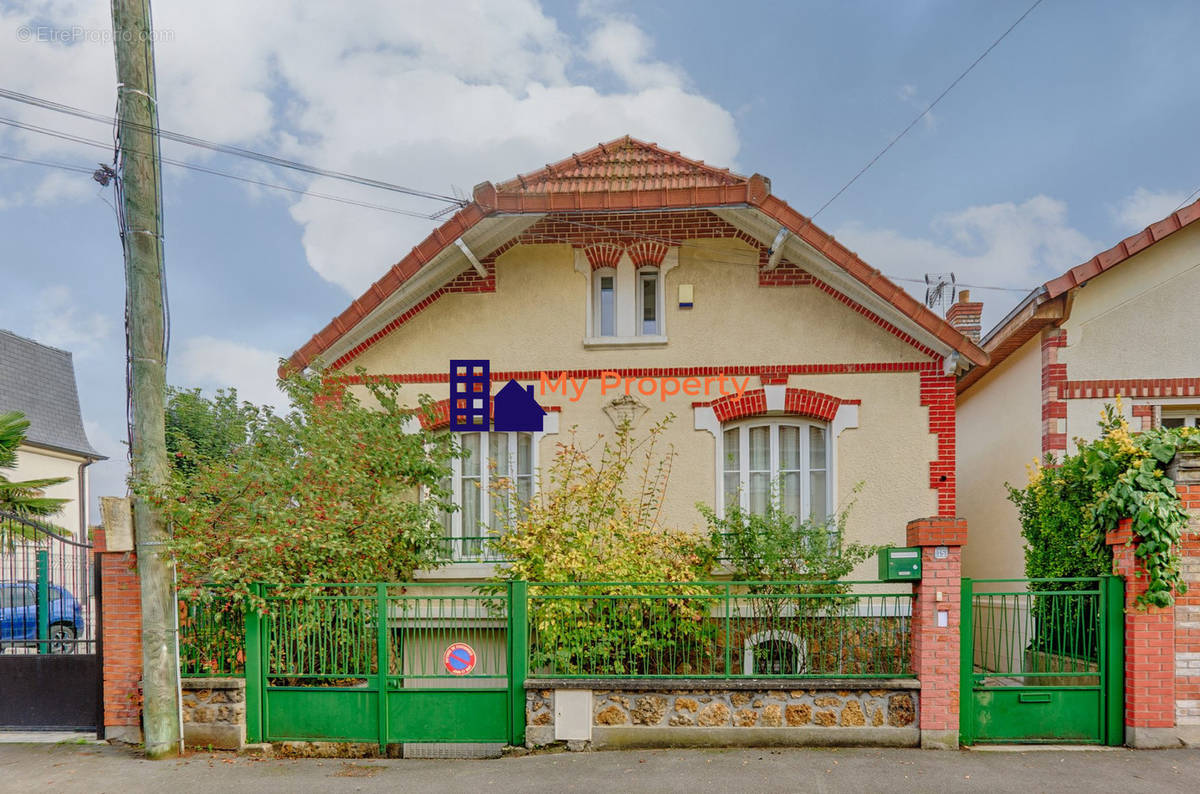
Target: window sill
624	341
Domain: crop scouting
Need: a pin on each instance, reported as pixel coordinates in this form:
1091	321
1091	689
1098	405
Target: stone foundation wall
214	713
730	712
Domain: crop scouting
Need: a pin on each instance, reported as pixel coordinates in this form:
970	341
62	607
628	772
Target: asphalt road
102	768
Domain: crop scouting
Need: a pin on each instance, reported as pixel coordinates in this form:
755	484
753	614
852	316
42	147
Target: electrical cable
235	151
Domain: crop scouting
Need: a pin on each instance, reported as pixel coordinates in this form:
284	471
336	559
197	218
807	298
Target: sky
1076	131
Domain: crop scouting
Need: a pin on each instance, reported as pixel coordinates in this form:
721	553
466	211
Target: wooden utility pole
140	181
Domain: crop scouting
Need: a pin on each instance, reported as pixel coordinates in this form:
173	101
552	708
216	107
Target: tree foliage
25	498
774	546
329	492
597	518
1066	510
200	430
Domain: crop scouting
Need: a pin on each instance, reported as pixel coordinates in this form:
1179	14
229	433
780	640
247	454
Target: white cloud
1004	245
212	363
58	321
1144	207
422	94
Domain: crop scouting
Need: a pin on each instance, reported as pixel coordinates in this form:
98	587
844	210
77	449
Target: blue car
19	618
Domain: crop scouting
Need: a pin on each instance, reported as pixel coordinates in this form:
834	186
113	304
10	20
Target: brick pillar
1185	471
121	638
935	626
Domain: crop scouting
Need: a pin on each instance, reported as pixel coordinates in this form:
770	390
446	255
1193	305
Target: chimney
966	316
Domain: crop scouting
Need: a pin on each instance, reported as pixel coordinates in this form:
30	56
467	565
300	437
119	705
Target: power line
924	112
76	168
236	151
213	171
1184	203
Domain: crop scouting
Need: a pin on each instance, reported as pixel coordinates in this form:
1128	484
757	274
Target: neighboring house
39	381
673	287
1125	323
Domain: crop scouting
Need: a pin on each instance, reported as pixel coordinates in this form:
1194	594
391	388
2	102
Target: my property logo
514	408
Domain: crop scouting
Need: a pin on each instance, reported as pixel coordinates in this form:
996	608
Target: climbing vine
1067	508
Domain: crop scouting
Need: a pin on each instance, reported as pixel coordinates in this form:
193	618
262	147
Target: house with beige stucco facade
39	381
631	281
1125	323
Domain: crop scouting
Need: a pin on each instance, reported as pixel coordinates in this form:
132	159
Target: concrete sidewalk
103	768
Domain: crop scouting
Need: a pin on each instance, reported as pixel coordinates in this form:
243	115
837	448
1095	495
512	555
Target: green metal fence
1042	660
212	635
717	630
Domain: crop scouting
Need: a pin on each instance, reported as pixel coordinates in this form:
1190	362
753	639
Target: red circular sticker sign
459	659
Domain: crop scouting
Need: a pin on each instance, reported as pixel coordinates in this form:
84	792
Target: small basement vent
452	750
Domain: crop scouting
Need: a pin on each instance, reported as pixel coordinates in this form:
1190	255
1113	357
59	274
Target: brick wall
121	632
1187	606
1054	407
935	626
1162	645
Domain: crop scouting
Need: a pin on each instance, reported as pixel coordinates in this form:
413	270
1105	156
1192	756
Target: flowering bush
1066	510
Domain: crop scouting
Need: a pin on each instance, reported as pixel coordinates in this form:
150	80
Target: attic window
625	302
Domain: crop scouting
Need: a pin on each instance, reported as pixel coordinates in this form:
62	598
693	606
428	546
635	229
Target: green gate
388	664
1043	661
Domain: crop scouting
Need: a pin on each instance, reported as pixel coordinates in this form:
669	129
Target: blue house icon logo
471	402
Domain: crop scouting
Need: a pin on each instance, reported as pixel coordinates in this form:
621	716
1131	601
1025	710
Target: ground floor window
1188	417
489	458
790	454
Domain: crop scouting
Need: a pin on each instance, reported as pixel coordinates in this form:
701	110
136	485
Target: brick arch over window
440	418
648	253
802	402
603	255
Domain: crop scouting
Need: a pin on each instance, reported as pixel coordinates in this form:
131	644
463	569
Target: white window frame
774	635
627	321
1190	416
774	422
456	529
643	275
597	310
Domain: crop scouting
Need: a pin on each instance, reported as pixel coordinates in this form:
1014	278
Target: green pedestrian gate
1043	661
388	664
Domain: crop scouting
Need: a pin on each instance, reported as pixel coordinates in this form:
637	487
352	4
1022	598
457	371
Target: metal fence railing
212	635
718	630
470	548
1049	631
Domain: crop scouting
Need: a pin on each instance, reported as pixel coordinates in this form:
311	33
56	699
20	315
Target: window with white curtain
793	453
488	457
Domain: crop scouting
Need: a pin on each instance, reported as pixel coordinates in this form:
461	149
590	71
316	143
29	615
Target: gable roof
39	381
624	174
623	164
1049	304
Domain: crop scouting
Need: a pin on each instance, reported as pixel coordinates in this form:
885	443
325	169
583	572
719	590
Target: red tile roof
1022	326
627	174
623	164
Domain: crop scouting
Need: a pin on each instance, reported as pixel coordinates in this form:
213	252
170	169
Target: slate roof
39	381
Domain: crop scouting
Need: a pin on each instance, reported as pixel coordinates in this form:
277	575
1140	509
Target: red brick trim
441	413
802	402
937	393
1054	410
601	255
1128	387
647	253
1144	413
773	371
937	531
785	274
